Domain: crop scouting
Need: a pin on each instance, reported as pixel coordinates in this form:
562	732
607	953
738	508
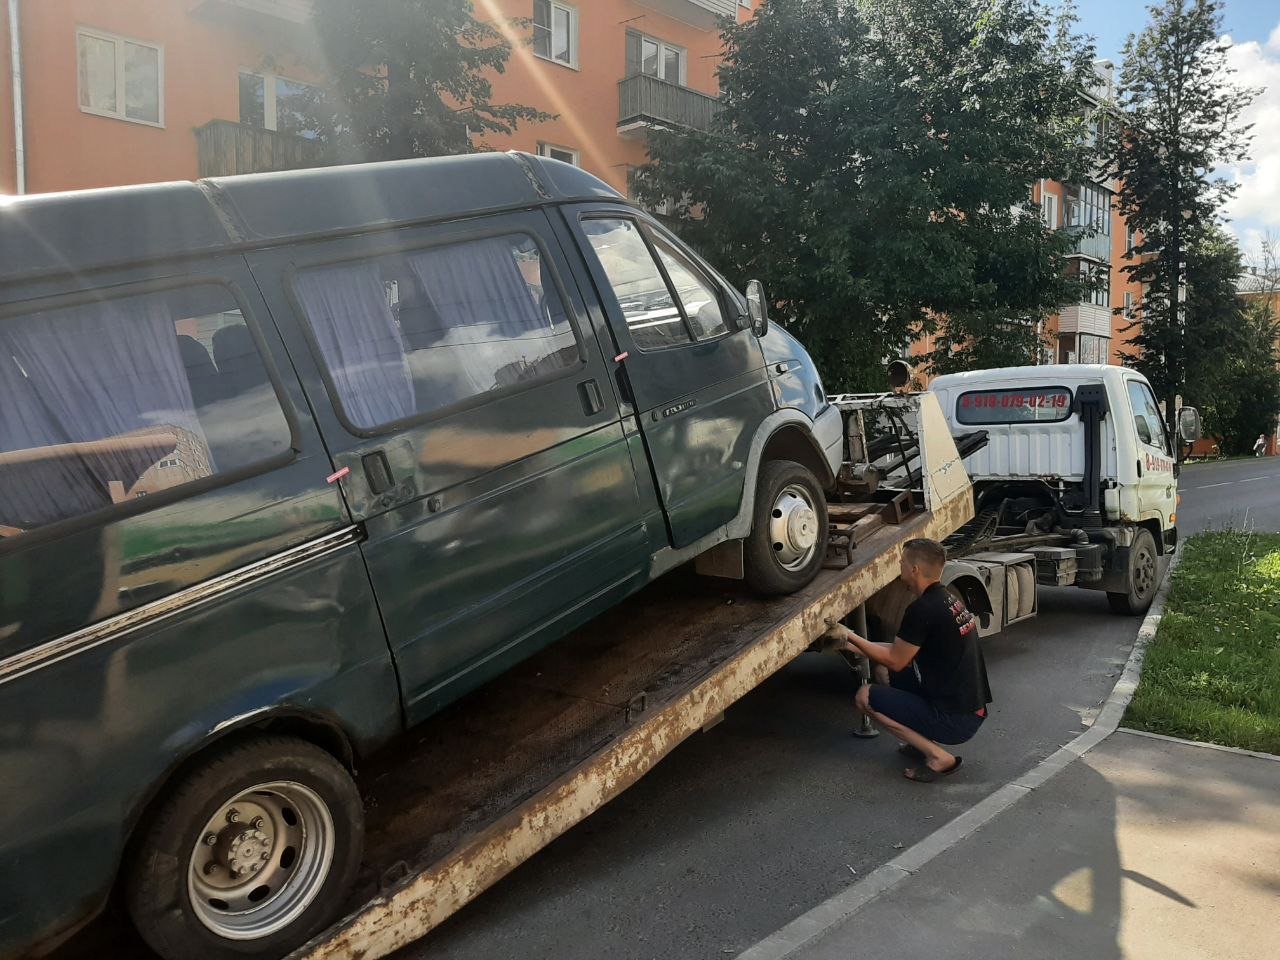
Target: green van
290	461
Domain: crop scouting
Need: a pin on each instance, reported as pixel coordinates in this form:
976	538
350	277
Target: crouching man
933	687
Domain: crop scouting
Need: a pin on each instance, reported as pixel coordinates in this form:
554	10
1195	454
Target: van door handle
592	399
377	471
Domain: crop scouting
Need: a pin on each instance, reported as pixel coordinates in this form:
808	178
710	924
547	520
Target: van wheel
249	856
788	540
1143	578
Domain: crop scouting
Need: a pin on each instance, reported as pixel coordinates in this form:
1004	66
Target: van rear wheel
1144	577
788	540
249	856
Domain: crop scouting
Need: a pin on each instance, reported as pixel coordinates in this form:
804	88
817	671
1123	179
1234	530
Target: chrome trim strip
125	623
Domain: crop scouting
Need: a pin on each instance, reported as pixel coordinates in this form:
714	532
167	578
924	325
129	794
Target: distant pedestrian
936	690
1260	445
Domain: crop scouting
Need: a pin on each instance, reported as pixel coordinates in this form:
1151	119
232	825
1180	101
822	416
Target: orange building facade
131	91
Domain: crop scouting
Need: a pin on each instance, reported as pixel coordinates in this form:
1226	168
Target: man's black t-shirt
952	672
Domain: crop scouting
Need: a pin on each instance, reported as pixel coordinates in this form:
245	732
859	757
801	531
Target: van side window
655	317
410	333
1146	415
116	399
697	296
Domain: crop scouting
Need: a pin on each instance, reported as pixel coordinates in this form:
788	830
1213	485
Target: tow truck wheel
248	856
788	540
1144	572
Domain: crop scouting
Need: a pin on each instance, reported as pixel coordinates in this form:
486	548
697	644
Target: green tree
1250	398
1215	336
872	163
1179	121
409	78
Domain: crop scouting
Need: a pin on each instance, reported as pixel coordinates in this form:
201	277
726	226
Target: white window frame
121	112
270	112
1128	306
1049	208
544	150
663	47
573	35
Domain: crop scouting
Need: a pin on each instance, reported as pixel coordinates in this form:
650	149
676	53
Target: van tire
778	556
1143	578
313	839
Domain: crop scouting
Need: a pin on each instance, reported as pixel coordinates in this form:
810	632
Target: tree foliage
409	78
1179	114
872	164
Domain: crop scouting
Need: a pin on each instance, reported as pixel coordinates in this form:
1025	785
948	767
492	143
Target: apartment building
1093	331
129	91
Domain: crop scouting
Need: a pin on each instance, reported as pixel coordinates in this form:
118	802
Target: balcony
293	11
699	13
1085	318
224	149
647	103
1095	246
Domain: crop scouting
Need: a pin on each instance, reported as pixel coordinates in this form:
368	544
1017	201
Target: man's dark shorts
902	702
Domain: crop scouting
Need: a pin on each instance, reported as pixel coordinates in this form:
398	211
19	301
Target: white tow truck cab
1076	485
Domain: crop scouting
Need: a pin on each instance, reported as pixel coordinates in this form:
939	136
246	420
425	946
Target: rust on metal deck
492	780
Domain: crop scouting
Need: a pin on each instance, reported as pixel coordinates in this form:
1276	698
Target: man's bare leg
938	759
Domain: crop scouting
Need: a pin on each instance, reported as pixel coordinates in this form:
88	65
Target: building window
1128	306
277	103
564	154
1130	239
1089	205
1100	276
120	78
656	58
555	32
1049	208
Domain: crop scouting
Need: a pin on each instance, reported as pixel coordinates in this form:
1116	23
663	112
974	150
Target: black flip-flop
910	752
926	774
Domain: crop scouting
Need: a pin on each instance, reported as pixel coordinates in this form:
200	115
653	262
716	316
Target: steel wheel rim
1144	574
793	527
261	860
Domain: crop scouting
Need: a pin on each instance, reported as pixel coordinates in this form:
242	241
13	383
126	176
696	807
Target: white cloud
1255	209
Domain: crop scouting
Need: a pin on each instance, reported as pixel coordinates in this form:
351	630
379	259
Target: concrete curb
1256	754
814	924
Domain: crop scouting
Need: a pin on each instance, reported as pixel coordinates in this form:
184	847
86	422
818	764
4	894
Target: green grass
1213	671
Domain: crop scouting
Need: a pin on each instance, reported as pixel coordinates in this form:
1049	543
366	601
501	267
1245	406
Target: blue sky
1111	21
1254	27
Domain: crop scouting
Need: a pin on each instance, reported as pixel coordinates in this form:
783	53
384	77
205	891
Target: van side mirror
757	308
1190	428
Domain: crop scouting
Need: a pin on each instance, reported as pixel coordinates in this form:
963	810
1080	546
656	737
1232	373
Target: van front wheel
788	540
249	856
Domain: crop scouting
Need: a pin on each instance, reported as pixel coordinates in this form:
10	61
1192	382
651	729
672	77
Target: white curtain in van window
108	371
359	342
491	328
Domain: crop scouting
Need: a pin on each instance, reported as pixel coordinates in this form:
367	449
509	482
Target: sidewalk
1142	848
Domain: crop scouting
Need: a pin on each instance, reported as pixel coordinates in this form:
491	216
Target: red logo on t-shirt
964	619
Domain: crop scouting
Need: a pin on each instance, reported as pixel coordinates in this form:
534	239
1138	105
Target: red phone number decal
1021	399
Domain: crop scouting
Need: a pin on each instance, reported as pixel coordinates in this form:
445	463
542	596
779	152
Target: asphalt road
1235	493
